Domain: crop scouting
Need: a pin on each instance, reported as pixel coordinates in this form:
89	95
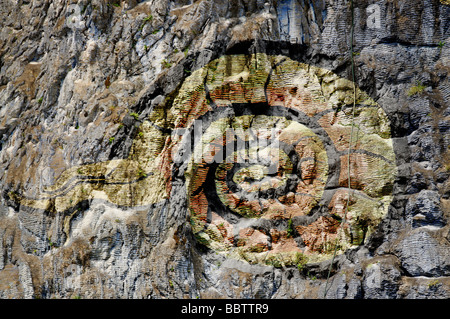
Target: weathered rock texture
94	95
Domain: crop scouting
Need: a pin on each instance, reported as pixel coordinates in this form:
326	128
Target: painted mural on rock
263	145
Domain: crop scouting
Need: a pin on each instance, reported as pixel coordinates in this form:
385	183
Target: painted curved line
67	188
320	114
213	200
365	152
74	179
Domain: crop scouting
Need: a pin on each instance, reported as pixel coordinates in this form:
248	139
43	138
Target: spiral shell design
265	151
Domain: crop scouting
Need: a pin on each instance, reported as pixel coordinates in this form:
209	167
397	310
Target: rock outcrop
221	149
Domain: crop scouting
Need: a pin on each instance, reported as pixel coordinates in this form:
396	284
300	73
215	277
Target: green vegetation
256	249
52	244
311	277
14	196
111	139
166	64
135	115
245	256
330	246
418	88
40	100
141	173
148	18
300	260
433	283
447	167
273	261
290	229
440	46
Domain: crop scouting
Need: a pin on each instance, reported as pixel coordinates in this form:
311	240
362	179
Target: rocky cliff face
224	149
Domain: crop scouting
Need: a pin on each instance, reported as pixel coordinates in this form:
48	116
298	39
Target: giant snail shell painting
262	143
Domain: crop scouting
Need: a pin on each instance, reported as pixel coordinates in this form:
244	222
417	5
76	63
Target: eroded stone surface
89	92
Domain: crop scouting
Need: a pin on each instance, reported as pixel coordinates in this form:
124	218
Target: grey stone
421	254
425	209
65	90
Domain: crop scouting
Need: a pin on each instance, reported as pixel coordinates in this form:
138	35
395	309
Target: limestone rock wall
94	98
